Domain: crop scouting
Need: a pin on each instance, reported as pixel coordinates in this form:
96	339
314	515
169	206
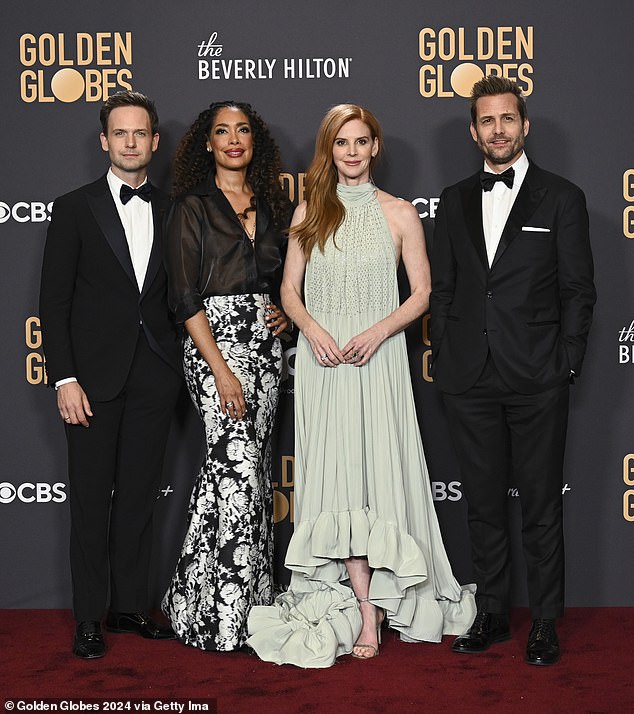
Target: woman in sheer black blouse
225	252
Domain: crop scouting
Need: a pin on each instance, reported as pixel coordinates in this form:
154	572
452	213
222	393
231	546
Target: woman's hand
230	394
360	348
276	319
323	346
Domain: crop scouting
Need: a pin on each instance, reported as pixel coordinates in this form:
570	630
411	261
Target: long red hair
324	211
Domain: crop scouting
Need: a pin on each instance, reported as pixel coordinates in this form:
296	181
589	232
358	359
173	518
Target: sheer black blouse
208	252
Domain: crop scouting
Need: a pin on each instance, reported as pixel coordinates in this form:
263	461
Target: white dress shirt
497	204
138	224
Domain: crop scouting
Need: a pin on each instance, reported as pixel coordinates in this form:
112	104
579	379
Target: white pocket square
536	229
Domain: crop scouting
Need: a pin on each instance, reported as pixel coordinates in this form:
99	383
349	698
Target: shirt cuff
68	380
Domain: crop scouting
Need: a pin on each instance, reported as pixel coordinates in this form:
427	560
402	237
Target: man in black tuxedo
112	354
511	307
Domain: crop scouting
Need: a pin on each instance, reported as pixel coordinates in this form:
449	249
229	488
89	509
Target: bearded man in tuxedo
112	353
511	307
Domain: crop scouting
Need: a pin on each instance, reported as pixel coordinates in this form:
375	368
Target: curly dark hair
193	164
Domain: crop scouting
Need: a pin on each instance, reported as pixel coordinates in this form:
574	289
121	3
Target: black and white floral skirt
226	564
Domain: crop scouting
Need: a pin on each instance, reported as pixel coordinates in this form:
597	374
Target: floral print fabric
225	566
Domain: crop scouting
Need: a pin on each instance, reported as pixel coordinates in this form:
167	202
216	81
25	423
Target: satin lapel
471	196
105	213
530	195
156	254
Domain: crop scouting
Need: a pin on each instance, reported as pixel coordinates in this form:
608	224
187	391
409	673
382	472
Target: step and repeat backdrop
412	64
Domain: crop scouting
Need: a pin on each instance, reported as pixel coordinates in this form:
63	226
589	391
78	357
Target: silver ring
324	358
355	355
67	419
228	404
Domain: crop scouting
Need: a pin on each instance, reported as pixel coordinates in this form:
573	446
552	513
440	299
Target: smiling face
129	143
499	130
231	139
352	152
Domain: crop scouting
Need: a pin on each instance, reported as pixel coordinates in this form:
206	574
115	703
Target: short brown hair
493	85
128	98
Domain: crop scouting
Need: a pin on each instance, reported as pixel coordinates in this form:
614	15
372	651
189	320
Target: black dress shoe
487	629
140	624
543	645
88	643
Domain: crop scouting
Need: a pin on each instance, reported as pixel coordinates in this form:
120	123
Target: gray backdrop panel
581	128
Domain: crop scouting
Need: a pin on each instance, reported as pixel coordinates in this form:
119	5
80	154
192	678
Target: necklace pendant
250	233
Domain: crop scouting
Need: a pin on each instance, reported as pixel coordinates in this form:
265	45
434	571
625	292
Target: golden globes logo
628	197
283	500
68	67
35	372
294	186
427	353
628	496
456	58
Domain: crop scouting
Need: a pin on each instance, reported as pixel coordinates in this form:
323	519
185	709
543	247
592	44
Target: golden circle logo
68	85
464	77
456	58
71	67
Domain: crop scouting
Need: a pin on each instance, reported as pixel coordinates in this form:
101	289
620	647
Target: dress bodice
356	273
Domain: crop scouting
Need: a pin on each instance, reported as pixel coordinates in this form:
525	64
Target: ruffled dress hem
318	618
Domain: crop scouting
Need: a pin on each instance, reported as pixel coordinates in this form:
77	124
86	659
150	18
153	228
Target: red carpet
594	675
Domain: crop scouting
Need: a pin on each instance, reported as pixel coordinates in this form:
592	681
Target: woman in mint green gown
367	544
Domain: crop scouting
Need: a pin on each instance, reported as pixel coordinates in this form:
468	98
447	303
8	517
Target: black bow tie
488	179
144	192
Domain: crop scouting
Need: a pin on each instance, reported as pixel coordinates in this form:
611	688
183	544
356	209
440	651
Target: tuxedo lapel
471	196
156	254
105	213
528	199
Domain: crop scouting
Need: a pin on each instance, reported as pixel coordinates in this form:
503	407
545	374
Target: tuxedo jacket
532	309
91	308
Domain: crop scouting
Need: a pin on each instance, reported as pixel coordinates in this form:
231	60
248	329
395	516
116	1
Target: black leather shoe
543	645
88	643
140	624
487	629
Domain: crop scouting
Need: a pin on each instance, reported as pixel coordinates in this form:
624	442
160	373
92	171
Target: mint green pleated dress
361	482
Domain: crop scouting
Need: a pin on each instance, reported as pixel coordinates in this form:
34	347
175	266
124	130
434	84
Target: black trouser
114	472
503	438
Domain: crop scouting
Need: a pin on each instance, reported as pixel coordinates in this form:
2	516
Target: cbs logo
442	491
23	212
33	492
